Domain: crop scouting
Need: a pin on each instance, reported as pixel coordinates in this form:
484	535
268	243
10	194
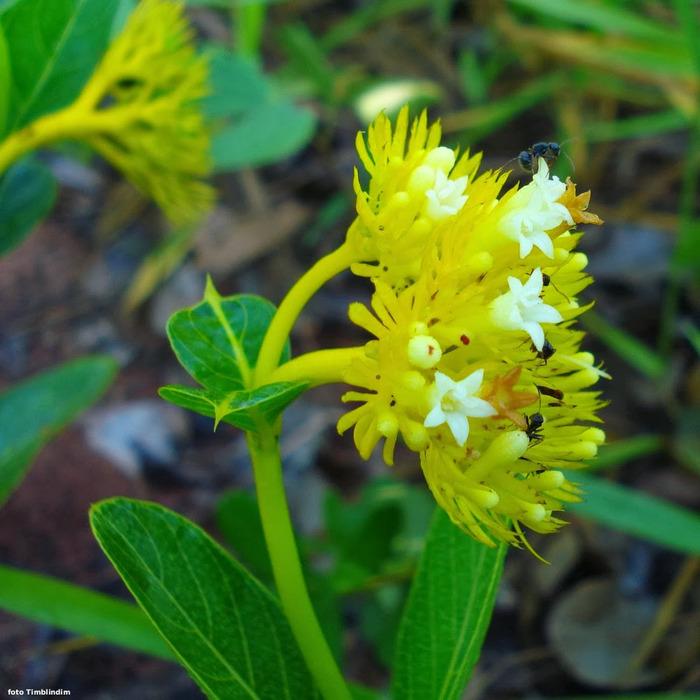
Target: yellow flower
475	361
140	111
414	186
146	91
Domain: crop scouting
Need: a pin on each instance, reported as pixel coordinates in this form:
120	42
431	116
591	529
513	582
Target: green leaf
225	627
243	409
633	351
217	341
266	134
638	514
32	412
606	18
238	518
27	193
79	610
447	613
253	125
54	47
237	85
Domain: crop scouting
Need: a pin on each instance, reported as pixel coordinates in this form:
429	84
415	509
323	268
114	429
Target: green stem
291	306
286	566
318	367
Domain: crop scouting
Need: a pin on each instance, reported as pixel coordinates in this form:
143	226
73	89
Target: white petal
459	426
525	246
536	333
470	385
543	242
542	174
534	285
443	383
544	313
515	286
477	408
435	417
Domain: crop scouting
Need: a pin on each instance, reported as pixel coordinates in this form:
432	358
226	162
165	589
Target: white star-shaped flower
455	402
522	308
533	211
446	197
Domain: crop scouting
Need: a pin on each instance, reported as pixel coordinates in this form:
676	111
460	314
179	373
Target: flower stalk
286	566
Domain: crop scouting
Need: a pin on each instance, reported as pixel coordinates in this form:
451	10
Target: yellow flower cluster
142	111
475	361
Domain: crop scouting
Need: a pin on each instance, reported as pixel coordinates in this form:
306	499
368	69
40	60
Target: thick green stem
291	306
286	566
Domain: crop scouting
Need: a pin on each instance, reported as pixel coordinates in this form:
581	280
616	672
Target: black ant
529	158
534	425
547	351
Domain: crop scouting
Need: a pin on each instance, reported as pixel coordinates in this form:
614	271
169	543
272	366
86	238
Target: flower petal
536	333
435	417
459	426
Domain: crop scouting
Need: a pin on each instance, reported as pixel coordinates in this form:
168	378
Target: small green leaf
217	341
32	412
225	627
237	85
27	193
638	514
252	123
79	610
447	614
54	47
266	134
243	409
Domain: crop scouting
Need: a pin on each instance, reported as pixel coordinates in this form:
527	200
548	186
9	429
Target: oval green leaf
223	625
218	340
266	134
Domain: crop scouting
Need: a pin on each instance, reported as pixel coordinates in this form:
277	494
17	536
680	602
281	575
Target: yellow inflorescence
141	109
476	361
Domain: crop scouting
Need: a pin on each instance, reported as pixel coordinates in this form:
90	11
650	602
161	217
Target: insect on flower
529	158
